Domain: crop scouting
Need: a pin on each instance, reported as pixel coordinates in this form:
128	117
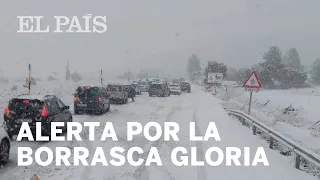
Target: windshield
156	86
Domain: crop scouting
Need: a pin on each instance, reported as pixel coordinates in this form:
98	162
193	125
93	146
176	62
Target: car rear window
155	86
87	92
114	88
25	106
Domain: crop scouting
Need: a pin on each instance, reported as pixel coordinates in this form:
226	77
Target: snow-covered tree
315	72
193	67
292	59
270	69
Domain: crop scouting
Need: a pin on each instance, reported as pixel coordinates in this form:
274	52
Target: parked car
4	146
92	99
175	89
159	89
185	86
32	109
144	86
137	89
117	93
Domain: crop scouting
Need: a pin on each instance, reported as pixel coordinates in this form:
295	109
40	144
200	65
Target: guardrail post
298	161
254	130
243	121
271	142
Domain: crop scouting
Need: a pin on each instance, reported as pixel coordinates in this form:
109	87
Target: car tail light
6	111
76	99
45	111
100	99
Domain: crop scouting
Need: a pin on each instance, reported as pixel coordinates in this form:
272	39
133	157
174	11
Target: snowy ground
302	126
198	106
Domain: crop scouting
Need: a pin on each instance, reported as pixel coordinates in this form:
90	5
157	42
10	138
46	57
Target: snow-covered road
198	107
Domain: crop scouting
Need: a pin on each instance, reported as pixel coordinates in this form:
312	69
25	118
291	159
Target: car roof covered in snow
89	85
114	84
32	97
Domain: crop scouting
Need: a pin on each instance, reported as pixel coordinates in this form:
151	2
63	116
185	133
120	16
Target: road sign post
252	84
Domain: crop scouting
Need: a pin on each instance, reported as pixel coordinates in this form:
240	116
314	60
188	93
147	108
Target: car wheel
4	150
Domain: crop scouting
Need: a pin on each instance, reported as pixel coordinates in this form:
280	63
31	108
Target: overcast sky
158	34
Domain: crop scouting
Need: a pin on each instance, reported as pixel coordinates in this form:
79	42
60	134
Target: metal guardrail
299	151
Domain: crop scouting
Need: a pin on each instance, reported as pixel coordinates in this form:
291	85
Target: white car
144	86
4	146
175	89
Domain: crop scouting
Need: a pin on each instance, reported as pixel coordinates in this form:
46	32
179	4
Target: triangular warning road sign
35	177
253	81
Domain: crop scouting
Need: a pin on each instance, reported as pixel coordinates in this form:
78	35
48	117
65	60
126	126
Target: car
137	89
117	93
32	109
175	89
92	99
185	86
143	86
159	89
5	144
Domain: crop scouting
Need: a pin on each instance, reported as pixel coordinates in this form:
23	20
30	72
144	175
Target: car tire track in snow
201	175
142	171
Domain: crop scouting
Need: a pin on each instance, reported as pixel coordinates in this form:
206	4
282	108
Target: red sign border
255	74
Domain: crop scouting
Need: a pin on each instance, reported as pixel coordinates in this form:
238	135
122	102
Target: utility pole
68	71
101	79
129	74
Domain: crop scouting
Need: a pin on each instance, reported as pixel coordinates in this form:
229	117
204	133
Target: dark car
32	109
160	90
185	86
92	99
